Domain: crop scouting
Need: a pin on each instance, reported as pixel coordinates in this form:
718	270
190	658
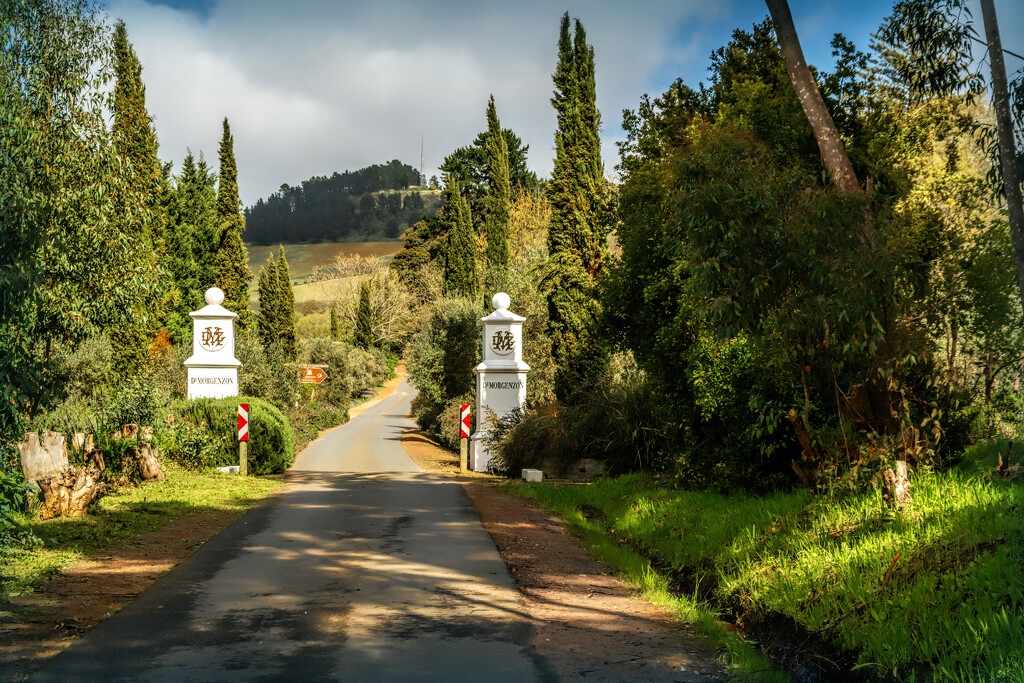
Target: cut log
896	486
70	493
146	434
149	465
45	457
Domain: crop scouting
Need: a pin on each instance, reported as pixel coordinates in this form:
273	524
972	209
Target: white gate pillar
501	377
213	368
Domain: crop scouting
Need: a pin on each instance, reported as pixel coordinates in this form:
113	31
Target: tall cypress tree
335	324
461	278
286	308
136	144
267	320
135	138
577	239
363	337
498	221
233	273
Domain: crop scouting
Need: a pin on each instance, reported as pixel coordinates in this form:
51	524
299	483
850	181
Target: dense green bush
271	439
13	498
264	374
350	370
442	357
194	447
312	417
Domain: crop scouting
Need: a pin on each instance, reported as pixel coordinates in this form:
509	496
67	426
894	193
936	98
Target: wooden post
463	454
243	458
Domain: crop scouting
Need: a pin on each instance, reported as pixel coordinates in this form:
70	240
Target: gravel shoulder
587	623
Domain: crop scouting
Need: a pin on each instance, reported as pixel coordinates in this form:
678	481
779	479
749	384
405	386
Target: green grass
951	608
120	517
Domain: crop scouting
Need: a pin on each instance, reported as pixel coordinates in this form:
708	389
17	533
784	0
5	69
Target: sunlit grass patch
119	517
933	592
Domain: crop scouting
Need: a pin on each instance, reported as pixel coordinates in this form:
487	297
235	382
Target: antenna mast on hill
423	180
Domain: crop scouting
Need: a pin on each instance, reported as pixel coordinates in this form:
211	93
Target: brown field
304	258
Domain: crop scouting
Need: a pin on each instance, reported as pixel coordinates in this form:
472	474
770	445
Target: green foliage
14	498
497	220
947	610
442	357
263	373
470	168
461	276
232	261
363	336
192	242
577	239
370	204
286	307
136	144
70	206
351	371
271	447
194	446
335	326
268	289
275	322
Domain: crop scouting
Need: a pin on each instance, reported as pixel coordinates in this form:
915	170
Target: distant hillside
373	203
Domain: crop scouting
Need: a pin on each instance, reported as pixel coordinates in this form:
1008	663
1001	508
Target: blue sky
316	86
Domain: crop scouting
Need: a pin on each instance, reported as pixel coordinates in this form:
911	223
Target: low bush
350	370
194	447
312	417
13	498
442	357
619	423
271	439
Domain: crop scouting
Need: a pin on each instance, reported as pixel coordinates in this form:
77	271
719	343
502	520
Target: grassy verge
120	517
934	593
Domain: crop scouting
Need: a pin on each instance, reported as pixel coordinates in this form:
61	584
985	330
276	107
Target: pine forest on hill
373	203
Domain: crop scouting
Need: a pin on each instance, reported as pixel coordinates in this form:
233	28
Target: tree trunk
1007	148
69	493
833	154
149	466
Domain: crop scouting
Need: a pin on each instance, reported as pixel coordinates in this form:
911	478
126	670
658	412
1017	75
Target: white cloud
316	87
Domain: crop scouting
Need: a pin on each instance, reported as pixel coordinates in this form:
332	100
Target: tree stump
43	457
149	465
70	493
896	486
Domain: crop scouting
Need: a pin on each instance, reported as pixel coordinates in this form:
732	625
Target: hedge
271	439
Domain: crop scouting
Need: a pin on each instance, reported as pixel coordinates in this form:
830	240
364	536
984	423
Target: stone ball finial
215	296
501	301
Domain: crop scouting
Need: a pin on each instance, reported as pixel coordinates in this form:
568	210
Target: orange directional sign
312	376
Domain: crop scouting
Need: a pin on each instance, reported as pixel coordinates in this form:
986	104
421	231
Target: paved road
364	569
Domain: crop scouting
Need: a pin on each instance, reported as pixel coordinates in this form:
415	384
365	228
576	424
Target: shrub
442	357
271	439
449	423
13	498
87	368
350	371
312	417
194	447
263	373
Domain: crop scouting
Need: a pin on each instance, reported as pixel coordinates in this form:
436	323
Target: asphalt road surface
364	569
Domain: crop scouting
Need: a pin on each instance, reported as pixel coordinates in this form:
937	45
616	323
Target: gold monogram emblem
212	339
502	342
